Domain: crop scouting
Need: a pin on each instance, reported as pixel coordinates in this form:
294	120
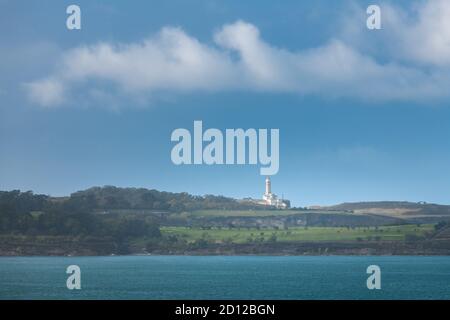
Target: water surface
225	277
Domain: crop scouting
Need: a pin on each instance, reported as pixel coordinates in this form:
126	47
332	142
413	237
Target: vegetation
28	214
296	234
395	208
110	197
112	220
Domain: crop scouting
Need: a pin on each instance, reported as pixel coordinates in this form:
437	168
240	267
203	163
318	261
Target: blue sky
363	115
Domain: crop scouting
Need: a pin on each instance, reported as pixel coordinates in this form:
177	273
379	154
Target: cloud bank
417	66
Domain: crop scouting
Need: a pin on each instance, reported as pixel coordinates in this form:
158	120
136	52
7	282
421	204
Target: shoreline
67	246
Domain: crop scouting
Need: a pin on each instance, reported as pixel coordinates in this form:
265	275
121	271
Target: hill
114	198
400	209
111	220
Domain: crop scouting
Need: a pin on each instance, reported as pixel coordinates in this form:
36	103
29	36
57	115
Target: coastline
15	246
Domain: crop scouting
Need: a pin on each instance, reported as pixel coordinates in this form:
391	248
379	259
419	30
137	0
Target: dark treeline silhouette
110	197
26	213
80	213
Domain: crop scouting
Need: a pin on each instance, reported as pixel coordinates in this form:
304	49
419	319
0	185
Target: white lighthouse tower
268	196
268	191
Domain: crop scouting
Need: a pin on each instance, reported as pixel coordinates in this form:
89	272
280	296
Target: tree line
30	214
80	213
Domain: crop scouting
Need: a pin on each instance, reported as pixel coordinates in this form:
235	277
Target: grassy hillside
394	208
248	235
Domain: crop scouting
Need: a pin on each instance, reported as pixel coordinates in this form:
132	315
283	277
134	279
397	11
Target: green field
244	235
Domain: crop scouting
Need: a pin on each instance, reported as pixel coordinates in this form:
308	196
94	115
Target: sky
363	115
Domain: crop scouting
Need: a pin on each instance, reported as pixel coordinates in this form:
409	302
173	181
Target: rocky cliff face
295	220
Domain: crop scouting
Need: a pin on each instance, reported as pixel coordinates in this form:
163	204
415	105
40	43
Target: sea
226	277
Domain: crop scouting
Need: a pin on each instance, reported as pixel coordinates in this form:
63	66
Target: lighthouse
271	199
268	191
268	197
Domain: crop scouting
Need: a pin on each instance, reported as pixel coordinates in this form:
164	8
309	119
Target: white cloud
418	33
170	60
47	92
423	35
240	59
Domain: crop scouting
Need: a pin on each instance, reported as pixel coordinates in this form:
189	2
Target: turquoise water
225	277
